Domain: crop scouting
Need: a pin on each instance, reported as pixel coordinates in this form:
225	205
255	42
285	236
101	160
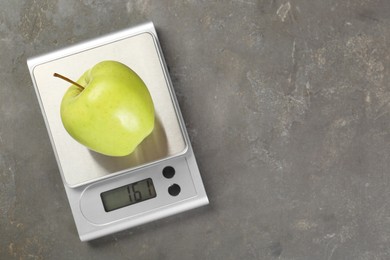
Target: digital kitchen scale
160	178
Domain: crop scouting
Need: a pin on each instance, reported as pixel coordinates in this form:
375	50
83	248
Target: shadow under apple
153	148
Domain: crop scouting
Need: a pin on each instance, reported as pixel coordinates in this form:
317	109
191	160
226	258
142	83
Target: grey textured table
287	103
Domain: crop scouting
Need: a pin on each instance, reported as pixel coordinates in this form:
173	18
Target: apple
109	109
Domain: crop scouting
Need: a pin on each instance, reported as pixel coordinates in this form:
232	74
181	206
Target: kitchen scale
160	178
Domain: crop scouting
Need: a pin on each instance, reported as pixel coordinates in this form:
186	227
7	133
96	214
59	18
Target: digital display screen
127	195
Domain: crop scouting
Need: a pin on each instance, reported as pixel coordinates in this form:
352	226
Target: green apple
109	109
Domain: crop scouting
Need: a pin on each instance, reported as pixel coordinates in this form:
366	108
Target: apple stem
68	80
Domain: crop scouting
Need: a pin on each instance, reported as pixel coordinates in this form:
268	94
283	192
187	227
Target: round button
174	189
168	172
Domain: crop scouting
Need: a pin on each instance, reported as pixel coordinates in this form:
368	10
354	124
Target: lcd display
128	195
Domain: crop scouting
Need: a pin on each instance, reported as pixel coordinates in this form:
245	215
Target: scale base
87	175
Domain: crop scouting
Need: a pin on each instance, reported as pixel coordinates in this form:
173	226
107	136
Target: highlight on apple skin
109	110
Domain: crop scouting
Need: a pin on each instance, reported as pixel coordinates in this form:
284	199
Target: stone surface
287	103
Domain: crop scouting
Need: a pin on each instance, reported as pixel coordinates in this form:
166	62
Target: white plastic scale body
110	194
